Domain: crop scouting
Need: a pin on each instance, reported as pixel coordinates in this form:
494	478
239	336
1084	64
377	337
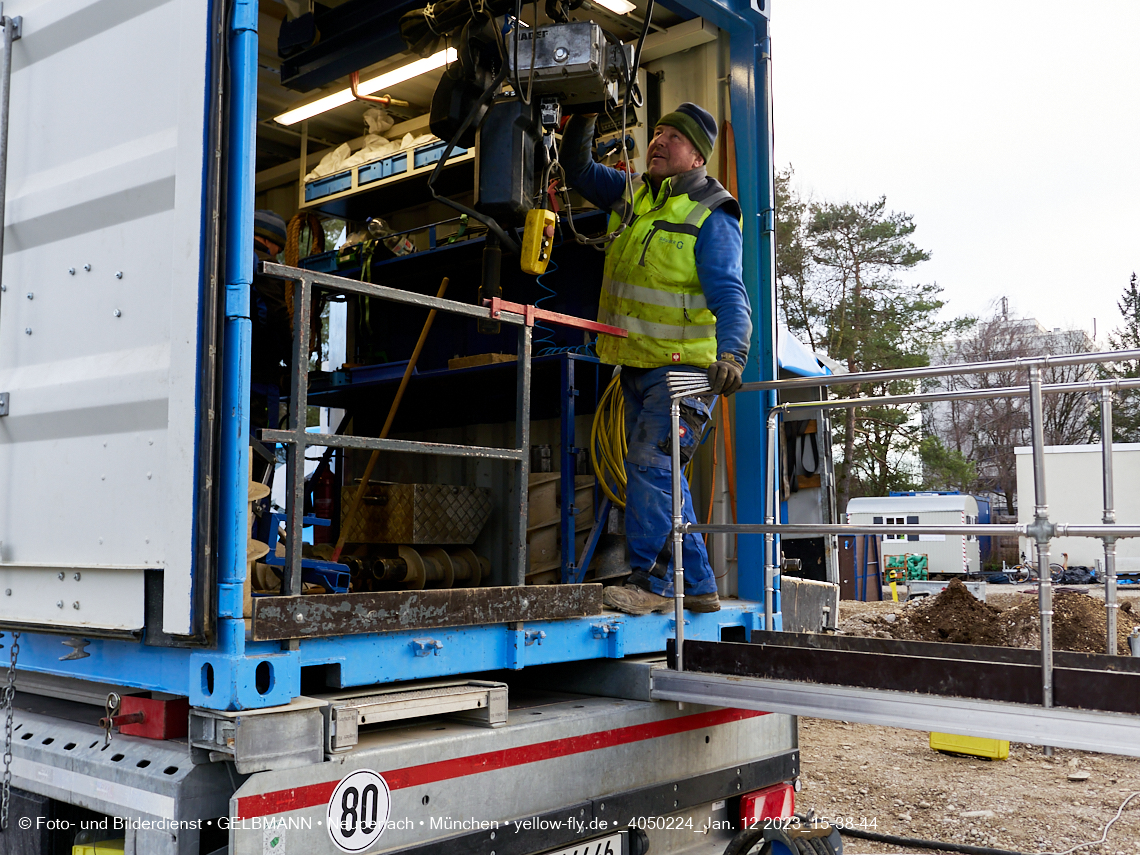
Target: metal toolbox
417	513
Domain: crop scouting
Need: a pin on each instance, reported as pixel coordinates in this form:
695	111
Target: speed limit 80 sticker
358	810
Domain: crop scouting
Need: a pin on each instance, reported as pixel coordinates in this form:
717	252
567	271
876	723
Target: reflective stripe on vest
651	288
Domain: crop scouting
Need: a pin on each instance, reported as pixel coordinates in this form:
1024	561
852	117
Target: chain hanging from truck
9	700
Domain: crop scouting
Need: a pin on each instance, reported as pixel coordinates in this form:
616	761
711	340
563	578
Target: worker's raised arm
599	184
718	256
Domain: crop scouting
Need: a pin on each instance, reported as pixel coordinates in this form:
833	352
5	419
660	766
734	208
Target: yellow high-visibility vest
650	286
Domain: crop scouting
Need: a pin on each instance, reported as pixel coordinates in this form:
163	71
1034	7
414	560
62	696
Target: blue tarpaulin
796	357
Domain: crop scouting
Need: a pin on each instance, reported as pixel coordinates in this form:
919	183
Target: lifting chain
9	699
112	708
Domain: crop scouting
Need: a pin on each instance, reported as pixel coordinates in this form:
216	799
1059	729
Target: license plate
611	845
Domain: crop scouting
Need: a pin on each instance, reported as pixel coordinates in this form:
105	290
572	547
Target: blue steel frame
236	674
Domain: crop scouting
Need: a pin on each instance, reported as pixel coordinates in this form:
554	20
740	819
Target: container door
101	319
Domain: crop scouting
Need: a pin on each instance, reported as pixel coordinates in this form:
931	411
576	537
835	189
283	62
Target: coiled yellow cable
608	445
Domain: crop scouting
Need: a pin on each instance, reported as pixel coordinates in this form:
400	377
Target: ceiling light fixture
367	87
621	7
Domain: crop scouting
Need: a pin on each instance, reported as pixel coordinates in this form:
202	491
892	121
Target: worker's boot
702	602
634	600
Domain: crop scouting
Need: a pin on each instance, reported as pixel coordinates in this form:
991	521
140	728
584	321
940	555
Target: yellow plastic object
994	749
103	847
538	237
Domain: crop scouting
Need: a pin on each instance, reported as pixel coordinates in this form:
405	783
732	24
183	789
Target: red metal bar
533	313
120	720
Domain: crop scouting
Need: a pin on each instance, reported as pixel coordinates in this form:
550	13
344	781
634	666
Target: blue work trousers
649	484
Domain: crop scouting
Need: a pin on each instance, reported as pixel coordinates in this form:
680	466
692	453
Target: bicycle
1025	571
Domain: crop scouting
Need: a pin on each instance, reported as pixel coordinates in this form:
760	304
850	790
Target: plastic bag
331	162
377	120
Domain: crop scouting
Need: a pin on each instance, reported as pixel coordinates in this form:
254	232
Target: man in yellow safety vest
673	280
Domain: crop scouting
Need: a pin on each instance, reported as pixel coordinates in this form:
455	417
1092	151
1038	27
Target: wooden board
479	359
276	618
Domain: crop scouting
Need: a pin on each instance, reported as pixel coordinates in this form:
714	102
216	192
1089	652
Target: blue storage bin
397	164
325	262
429	154
327	186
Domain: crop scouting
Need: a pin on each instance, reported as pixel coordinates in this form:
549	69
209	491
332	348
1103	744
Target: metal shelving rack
297	440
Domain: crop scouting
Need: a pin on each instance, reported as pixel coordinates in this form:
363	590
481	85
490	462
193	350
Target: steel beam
1109	733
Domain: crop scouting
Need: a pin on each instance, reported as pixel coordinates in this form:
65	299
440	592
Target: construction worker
673	281
272	345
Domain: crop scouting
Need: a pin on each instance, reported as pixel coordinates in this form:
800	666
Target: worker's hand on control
725	375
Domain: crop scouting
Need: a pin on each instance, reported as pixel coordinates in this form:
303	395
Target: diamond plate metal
417	514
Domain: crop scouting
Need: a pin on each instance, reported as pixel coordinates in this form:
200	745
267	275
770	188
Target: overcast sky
1009	129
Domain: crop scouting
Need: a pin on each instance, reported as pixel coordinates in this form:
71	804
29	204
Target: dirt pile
1079	624
956	616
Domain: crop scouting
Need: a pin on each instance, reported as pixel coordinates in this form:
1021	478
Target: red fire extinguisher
324	483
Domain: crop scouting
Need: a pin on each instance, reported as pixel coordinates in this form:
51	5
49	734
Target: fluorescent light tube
621	7
367	87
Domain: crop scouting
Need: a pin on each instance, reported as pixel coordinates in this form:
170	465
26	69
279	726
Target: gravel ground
890	781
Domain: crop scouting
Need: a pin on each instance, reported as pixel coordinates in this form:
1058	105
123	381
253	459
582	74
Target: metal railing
1042	530
297	439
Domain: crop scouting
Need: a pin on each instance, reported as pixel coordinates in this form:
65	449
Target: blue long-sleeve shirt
718	248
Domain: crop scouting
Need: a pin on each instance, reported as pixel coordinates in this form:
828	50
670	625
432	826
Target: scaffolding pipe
925	371
1109	518
677	533
773	482
970	395
1042	533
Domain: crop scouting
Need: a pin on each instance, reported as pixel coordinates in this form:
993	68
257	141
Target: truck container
240	710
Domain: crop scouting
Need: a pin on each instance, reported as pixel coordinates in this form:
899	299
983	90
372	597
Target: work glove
725	375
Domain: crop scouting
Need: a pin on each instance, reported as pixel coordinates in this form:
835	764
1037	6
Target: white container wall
100	329
1074	489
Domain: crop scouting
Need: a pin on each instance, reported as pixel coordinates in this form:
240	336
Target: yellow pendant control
538	239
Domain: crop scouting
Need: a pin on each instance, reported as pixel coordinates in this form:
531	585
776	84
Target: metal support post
773	482
522	467
567	460
751	101
1042	533
11	28
678	533
233	462
291	583
1109	518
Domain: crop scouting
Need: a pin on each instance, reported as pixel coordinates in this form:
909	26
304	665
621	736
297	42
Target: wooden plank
315	616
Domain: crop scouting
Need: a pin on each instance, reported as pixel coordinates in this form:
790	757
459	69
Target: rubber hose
926	844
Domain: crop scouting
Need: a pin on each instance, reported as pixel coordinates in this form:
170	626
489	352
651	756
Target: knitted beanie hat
269	225
694	122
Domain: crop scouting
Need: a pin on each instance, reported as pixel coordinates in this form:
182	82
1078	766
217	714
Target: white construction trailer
946	554
1074	479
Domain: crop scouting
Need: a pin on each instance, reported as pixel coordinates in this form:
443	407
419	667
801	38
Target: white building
946	554
1075	494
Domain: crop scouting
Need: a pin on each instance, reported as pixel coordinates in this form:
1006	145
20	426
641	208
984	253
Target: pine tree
836	266
1126	406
